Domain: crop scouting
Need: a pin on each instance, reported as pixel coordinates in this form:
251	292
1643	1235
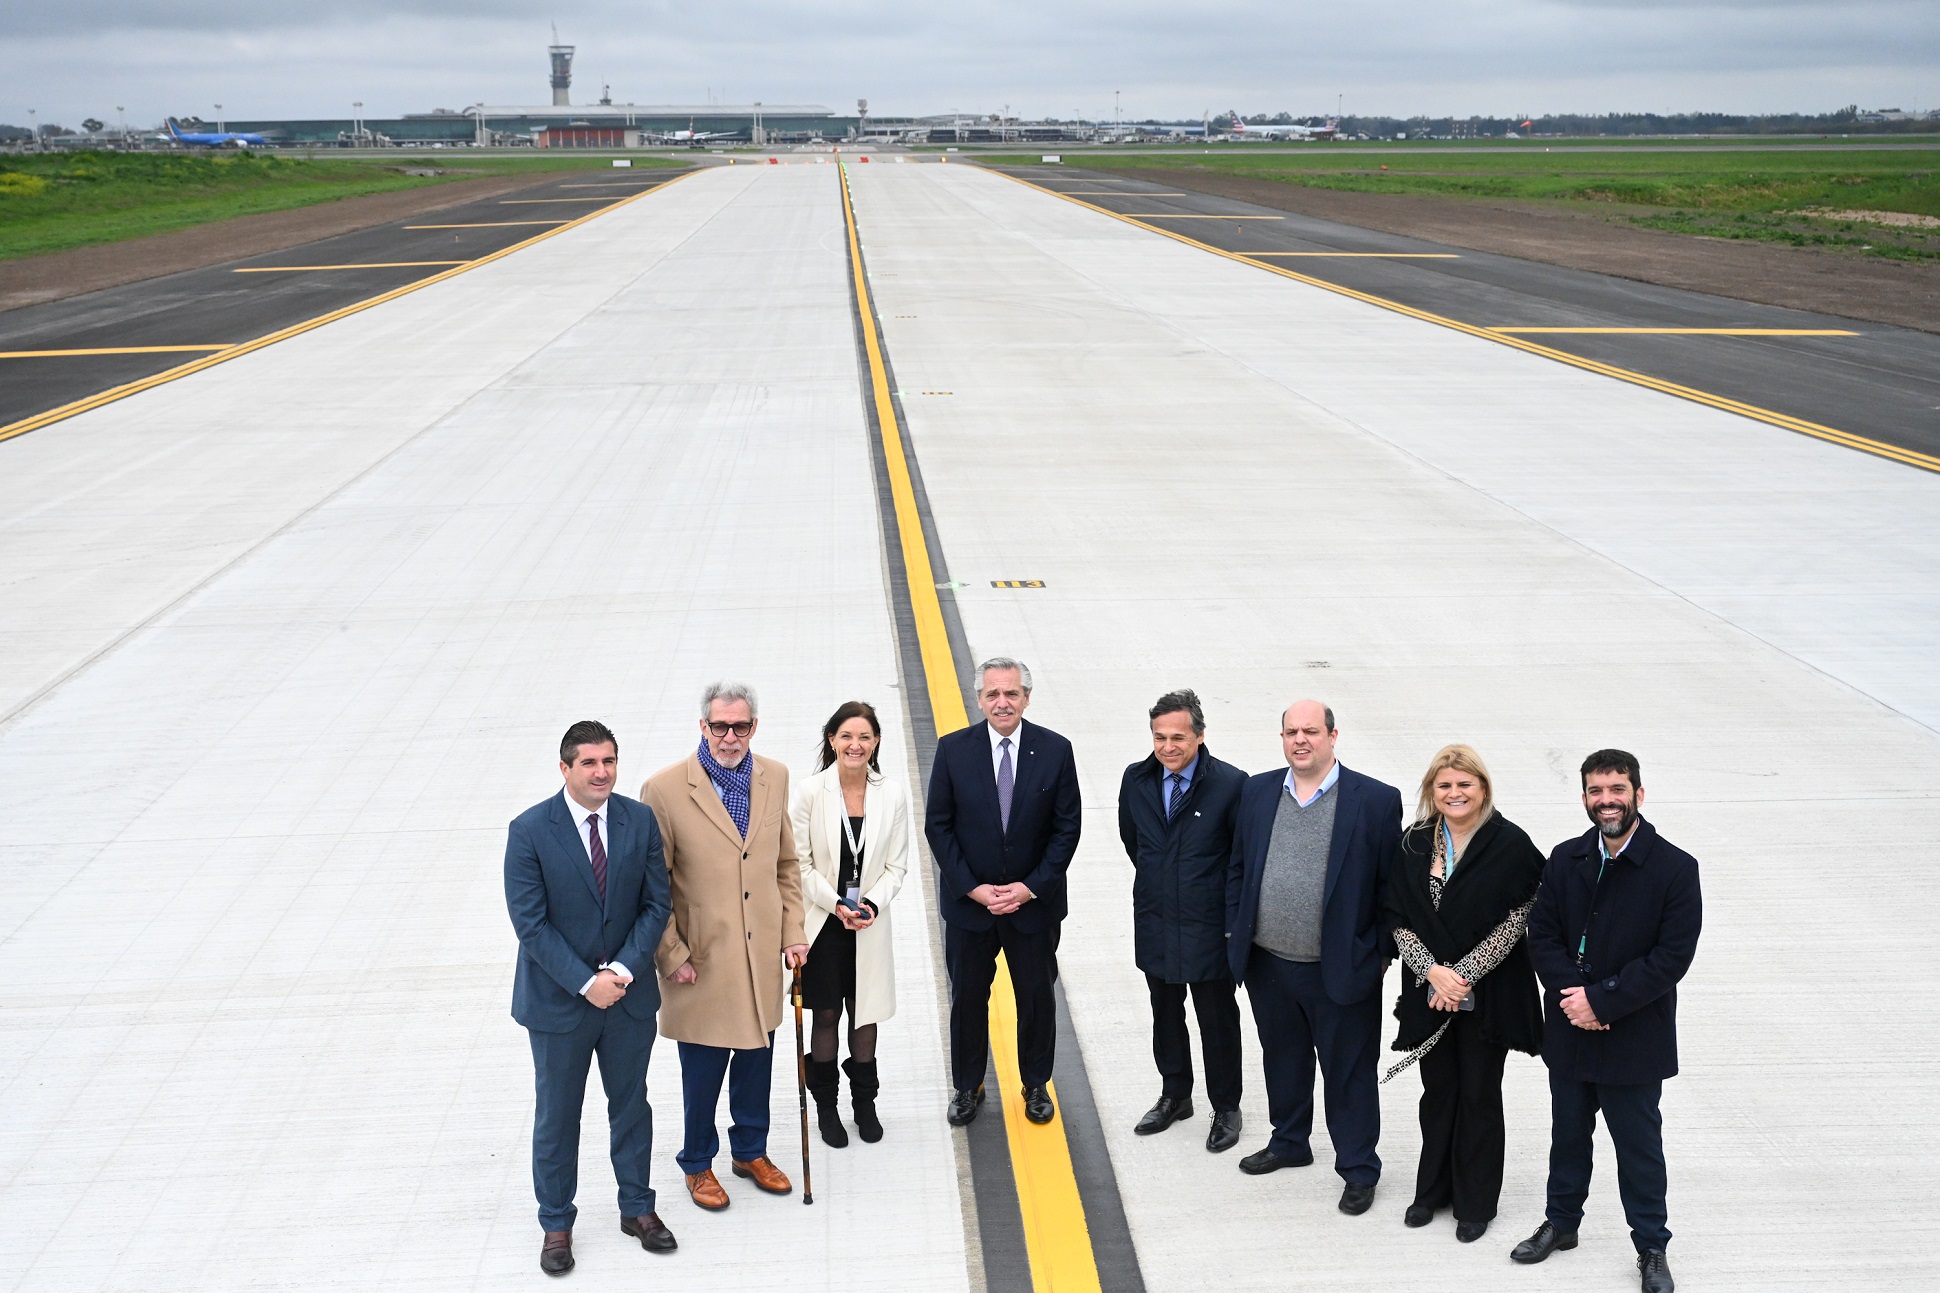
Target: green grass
57	201
1763	194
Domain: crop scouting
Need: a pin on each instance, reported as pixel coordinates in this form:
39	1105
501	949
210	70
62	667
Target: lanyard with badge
852	897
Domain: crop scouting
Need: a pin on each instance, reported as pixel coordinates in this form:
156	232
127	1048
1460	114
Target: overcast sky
70	59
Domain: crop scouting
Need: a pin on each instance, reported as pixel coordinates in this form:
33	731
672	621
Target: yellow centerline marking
109	396
1055	1234
1866	444
109	350
1700	332
311	269
487	224
516	202
1365	255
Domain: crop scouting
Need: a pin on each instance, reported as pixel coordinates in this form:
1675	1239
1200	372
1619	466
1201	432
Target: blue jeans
747	1074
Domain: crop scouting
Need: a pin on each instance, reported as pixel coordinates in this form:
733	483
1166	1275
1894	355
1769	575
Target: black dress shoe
1224	1134
1545	1241
1267	1161
1417	1216
556	1254
1356	1199
1037	1105
1469	1231
964	1106
1654	1269
650	1231
1167	1111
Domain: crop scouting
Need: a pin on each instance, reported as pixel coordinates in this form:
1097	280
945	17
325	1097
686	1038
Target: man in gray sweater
1304	934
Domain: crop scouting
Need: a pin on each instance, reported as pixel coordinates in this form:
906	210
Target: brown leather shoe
556	1256
706	1190
651	1231
765	1175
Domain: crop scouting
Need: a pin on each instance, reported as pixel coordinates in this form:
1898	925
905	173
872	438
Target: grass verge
55	202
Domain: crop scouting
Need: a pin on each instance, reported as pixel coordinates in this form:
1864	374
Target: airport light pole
33	128
219	119
1116	129
121	116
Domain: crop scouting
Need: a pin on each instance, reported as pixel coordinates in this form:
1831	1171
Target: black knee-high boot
825	1084
863	1087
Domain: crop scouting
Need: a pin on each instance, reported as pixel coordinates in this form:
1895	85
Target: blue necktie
1178	793
1006	782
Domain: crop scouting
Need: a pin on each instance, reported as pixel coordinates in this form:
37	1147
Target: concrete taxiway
288	640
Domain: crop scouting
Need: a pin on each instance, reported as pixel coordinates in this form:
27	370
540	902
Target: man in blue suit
1303	933
1002	820
587	889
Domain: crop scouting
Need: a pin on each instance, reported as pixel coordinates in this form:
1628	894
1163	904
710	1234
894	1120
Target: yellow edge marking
527	202
109	396
1366	255
1771	417
488	224
106	350
1700	332
1172	215
375	264
1055	1234
615	184
1116	193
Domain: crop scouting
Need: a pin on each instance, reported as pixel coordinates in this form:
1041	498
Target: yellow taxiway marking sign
225	353
527	202
488	224
1056	1237
112	350
1700	332
311	269
1364	255
1865	444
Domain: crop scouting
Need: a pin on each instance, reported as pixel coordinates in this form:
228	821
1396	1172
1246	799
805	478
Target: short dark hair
847	710
1184	700
1614	761
587	731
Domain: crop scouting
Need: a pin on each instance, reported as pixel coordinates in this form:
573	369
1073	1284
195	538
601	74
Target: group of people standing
1300	884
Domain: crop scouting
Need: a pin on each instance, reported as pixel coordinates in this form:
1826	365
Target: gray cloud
1168	58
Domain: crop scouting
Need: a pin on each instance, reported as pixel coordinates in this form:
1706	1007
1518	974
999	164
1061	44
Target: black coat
1499	872
1642	931
1354	942
968	837
1179	864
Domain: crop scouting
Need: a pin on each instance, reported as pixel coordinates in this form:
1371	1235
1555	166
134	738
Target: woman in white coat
855	838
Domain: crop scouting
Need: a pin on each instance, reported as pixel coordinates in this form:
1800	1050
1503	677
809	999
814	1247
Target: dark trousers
1636	1129
559	1064
1297	1020
748	1074
1032	958
1462	1133
1213	1000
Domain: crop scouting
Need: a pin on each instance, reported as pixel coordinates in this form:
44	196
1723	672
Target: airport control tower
562	70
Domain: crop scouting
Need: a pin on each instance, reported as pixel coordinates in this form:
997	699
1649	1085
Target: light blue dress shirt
1333	775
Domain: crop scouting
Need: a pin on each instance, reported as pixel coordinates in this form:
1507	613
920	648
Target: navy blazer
1179	863
1639	931
564	935
967	835
1354	941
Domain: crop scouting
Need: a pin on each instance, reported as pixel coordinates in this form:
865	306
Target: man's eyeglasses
722	729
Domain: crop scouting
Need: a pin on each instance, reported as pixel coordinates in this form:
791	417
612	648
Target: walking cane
801	1088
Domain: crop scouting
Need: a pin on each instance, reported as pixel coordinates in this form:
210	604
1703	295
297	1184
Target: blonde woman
853	835
1458	896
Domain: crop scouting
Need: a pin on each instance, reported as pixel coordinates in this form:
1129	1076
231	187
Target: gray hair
730	692
1186	701
1005	662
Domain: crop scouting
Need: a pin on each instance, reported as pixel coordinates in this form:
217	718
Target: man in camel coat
736	928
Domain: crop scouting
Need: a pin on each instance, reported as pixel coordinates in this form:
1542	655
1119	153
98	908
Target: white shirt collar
578	811
1016	738
1333	775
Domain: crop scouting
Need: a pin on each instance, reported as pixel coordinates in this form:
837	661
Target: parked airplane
691	135
1243	131
213	138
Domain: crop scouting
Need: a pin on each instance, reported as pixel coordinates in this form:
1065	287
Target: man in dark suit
1304	935
587	890
1003	821
1614	928
1176	811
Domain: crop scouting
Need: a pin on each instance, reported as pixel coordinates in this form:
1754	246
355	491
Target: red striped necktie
599	853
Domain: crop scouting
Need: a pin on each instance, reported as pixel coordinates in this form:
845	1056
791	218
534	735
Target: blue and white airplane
213	138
